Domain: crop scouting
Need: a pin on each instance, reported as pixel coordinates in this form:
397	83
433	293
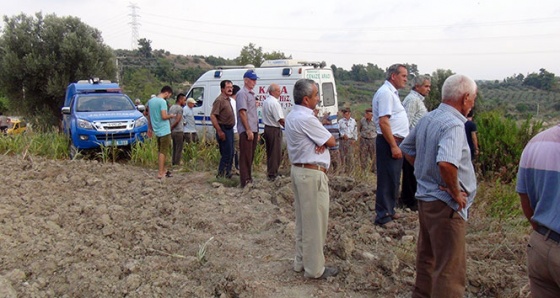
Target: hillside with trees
40	55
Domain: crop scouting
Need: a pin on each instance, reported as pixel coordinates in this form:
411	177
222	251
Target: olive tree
39	57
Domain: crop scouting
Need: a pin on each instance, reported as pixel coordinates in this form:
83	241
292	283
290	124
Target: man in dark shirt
223	120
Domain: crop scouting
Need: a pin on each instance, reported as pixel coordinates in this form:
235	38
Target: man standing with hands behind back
158	122
273	119
222	118
247	126
307	142
392	127
446	190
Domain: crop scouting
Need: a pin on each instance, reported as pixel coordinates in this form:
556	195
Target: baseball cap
250	74
191	100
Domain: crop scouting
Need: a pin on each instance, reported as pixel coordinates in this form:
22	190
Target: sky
484	39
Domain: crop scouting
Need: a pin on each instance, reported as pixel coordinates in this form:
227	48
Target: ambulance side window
198	94
328	94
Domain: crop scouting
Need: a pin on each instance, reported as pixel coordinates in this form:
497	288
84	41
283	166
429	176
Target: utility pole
134	24
118	69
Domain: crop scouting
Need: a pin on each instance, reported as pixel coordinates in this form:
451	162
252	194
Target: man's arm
527	210
475	142
217	127
448	172
387	132
165	116
178	118
409	158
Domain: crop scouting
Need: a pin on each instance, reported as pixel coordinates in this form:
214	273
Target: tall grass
52	145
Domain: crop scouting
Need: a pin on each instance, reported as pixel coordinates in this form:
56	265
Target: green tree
433	99
412	69
543	80
275	55
145	47
141	83
250	54
41	55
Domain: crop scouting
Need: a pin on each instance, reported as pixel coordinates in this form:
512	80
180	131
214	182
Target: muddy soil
88	229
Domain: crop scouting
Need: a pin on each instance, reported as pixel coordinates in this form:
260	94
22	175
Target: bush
501	142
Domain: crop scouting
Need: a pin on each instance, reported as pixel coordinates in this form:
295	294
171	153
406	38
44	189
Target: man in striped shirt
539	190
438	149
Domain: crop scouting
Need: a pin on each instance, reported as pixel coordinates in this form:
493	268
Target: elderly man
446	190
189	130
273	119
307	141
247	126
348	135
539	190
392	127
415	109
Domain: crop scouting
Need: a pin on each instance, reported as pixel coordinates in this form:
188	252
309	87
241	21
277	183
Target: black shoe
329	271
168	174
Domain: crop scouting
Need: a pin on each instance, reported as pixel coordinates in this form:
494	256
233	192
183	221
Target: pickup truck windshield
96	103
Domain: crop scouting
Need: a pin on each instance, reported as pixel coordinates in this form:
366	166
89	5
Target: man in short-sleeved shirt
222	118
539	190
247	126
392	127
273	119
158	122
177	129
189	130
307	142
438	149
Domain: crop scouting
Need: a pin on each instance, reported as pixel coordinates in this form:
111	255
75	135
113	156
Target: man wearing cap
223	121
189	130
307	142
368	133
273	119
415	109
539	190
392	127
348	134
177	129
247	126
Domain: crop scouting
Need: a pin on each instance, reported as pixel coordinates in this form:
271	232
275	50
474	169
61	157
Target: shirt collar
452	110
417	94
391	87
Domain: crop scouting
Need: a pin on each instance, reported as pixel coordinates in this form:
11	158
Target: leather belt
548	233
310	166
398	139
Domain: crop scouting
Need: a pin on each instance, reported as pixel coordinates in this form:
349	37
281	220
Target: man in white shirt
392	127
348	134
189	129
273	119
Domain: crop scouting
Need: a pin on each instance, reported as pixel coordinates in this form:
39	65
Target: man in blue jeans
223	120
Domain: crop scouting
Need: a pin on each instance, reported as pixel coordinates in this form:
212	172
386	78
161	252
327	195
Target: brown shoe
329	271
389	225
396	216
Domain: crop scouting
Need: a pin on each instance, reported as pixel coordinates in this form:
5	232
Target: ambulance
285	73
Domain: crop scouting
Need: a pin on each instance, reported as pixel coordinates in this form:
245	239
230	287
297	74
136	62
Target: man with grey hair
307	142
415	109
273	119
446	190
392	127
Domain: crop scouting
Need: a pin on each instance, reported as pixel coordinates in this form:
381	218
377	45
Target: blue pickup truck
97	113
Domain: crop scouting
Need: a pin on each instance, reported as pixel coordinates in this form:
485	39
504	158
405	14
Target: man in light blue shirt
158	122
539	190
438	149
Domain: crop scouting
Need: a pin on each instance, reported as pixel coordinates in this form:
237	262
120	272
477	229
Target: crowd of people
432	152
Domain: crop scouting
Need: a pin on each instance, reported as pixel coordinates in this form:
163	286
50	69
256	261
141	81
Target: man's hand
319	150
461	199
396	152
222	135
250	135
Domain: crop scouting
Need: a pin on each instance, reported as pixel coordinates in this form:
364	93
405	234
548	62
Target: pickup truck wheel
72	150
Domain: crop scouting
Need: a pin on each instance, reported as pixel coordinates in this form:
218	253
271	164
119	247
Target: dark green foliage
41	55
501	141
433	99
543	80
